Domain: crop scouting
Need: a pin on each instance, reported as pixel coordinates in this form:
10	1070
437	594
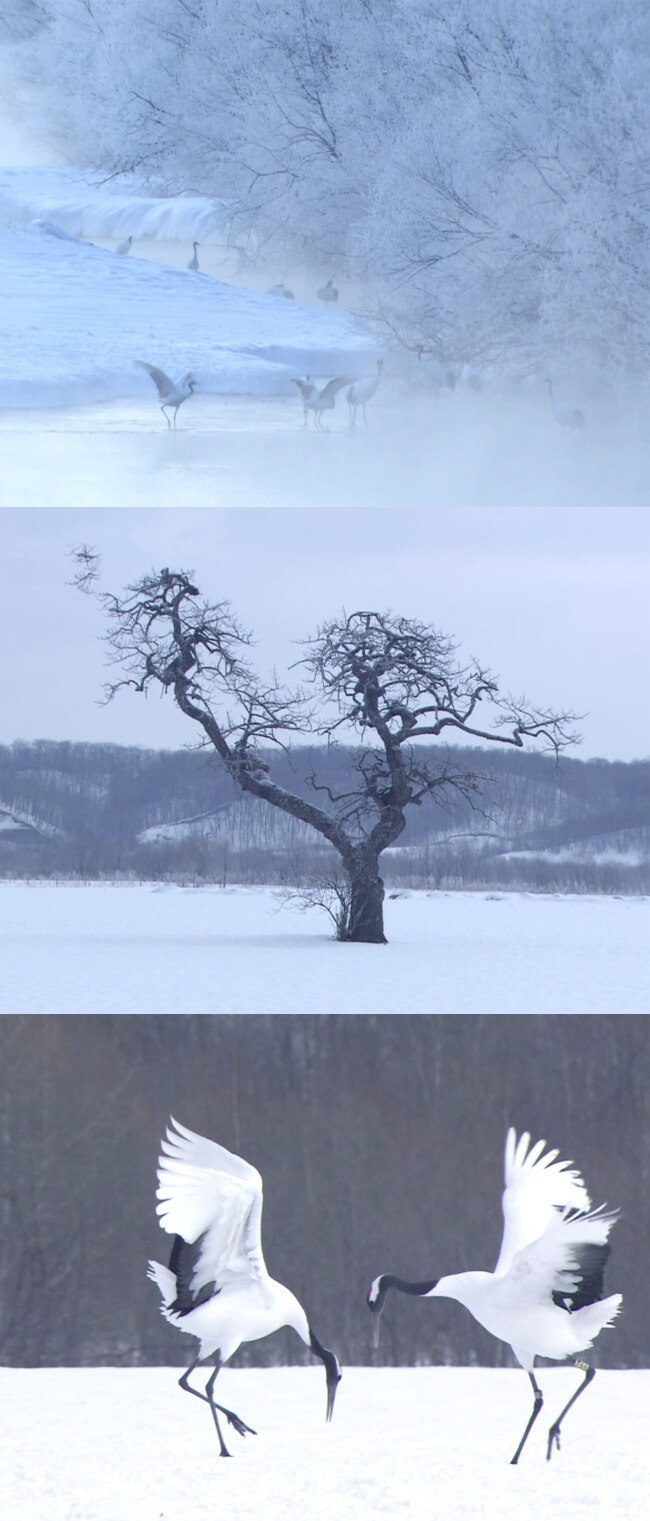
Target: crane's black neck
332	1370
390	1281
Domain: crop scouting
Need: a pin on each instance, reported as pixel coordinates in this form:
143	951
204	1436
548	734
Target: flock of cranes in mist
320	398
544	1298
317	397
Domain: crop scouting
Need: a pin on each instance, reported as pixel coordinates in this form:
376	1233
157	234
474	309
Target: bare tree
389	679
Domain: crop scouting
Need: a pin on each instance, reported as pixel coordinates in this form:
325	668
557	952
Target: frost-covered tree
389	680
482	164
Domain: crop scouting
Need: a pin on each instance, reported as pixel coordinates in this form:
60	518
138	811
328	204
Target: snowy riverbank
94	207
75	317
120	949
107	1444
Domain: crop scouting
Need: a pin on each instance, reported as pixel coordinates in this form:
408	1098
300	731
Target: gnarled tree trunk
366	914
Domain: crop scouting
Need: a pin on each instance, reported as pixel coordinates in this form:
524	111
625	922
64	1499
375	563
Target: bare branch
86	575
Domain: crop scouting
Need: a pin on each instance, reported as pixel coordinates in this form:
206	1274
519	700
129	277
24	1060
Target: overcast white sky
566	625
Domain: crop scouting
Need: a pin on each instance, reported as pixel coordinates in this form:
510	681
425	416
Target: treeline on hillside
380	1141
92	811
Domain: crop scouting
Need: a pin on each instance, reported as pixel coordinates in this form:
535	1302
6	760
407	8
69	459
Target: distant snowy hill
582	827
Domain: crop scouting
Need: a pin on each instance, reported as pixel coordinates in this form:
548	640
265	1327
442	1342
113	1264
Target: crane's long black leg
233	1419
224	1453
554	1433
165	417
188	1387
539	1401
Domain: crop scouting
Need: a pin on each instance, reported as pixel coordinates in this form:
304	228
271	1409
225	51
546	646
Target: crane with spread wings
217	1286
545	1294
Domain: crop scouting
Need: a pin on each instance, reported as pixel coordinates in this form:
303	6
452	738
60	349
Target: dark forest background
380	1141
92	811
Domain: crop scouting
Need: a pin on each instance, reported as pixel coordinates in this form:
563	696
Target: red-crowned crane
328	293
361	392
566	417
172	394
544	1296
217	1286
308	389
319	401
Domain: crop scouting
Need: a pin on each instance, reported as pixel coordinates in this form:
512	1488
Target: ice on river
127	949
108	1444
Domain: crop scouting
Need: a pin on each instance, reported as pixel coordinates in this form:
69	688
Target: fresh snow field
108	1444
110	949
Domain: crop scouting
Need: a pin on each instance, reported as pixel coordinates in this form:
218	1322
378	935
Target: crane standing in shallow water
171	394
308	390
440	376
217	1286
567	417
194	261
321	401
544	1296
361	392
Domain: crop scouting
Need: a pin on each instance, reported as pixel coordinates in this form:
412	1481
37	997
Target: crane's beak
376	1327
333	1381
332	1370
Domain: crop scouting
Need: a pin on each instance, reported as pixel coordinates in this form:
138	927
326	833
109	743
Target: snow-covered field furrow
110	1444
126	949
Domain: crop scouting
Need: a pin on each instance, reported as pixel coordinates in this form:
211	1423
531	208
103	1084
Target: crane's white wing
332	387
306	387
211	1197
567	1262
164	386
537	1185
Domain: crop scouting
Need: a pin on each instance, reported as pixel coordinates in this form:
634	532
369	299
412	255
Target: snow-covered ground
93	207
108	1444
103	948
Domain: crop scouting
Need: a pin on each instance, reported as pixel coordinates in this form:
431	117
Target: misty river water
477	456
